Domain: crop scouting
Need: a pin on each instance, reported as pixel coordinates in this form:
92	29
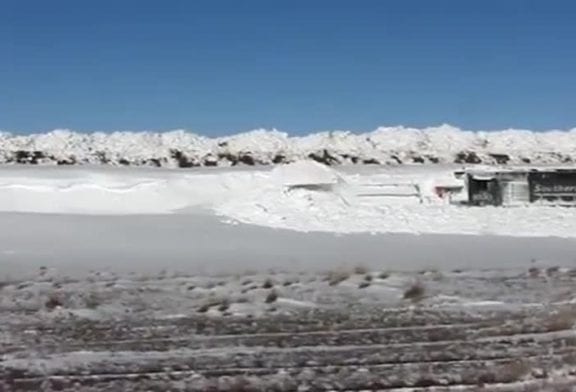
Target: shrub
54	301
336	277
268	284
415	292
561	320
92	300
534	272
271	297
513	371
363	285
224	305
204	308
552	271
360	270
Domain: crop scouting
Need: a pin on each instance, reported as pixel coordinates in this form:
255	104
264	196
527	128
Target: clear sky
218	67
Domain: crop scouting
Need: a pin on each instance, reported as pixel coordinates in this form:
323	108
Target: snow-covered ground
385	145
264	198
200	244
214	220
342	329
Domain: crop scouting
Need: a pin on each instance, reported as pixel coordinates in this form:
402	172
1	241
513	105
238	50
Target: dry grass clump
534	272
425	381
222	303
561	320
92	300
54	301
271	297
268	284
360	270
513	371
415	292
210	285
23	285
432	273
249	288
239	384
488	377
334	278
506	373
552	271
364	284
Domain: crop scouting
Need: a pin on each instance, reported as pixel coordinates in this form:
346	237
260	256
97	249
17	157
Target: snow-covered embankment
385	145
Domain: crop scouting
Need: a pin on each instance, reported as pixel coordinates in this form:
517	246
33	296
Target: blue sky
219	67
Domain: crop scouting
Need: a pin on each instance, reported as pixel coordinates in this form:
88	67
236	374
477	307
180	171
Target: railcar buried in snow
506	187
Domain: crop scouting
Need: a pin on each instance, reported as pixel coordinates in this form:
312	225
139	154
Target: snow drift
280	198
386	145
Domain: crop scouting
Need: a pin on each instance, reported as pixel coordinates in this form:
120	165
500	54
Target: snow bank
268	198
328	213
385	145
120	192
304	173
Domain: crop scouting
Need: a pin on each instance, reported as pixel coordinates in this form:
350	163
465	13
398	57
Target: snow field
268	198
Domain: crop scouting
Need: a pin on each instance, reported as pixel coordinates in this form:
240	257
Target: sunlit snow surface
261	197
226	220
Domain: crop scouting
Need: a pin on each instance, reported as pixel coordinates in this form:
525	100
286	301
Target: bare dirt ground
342	330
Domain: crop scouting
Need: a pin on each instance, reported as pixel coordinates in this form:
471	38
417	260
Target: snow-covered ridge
385	145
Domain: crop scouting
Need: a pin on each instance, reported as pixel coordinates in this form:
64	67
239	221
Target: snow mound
305	173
